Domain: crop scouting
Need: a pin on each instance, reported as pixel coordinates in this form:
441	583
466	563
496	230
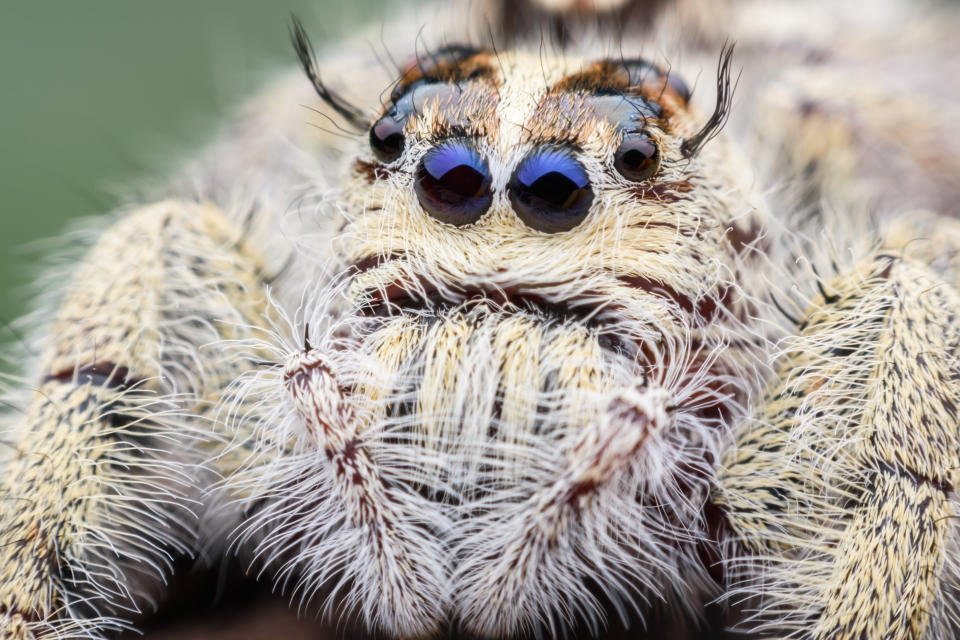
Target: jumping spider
529	346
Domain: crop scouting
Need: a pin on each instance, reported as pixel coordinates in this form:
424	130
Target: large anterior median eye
550	190
637	158
453	183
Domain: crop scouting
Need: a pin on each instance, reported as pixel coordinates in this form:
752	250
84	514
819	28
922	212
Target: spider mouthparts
419	294
543	302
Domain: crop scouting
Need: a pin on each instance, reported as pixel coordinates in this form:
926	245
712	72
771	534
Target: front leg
323	514
519	562
101	489
842	488
619	506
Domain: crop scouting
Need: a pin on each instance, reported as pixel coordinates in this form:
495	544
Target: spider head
525	239
580	190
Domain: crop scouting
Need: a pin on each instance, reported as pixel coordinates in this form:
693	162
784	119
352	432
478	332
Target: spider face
561	192
526	241
559	397
551	184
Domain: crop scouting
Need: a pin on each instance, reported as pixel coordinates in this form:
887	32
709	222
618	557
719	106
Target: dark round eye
453	183
637	158
386	138
550	191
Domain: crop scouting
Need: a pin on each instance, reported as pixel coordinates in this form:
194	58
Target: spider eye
550	191
637	158
386	138
453	183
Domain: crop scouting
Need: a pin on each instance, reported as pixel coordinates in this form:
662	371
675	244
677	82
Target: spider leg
521	564
841	489
101	486
324	515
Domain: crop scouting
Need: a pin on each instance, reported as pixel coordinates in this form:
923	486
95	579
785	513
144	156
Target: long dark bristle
308	62
721	111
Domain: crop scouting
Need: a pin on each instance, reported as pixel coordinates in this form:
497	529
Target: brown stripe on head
623	93
633	77
371	172
452	64
605	76
451	92
562	119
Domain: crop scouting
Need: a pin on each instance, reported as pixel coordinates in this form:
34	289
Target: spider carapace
531	345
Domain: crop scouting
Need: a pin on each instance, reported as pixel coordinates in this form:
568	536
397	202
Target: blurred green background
96	94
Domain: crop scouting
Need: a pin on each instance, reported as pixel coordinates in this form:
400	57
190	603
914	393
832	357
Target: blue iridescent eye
550	191
453	183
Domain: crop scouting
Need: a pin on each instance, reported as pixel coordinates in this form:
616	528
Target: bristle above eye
451	64
721	111
308	62
448	55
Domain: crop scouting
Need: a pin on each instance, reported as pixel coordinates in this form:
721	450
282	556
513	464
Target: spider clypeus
527	346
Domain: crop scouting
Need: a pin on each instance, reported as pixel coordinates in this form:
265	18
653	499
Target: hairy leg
841	487
522	563
101	488
323	516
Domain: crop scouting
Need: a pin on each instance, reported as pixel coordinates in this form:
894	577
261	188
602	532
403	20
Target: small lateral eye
386	138
637	158
453	183
550	191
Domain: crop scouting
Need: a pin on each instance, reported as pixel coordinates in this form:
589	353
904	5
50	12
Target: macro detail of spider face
549	189
537	353
526	239
462	158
